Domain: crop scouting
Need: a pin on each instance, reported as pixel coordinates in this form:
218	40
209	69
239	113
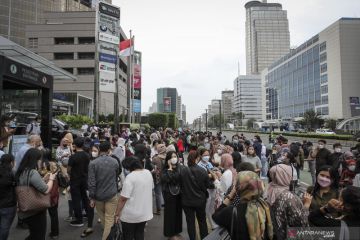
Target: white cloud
195	45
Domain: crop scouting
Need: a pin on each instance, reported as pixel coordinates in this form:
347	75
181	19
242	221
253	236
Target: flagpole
131	82
132	78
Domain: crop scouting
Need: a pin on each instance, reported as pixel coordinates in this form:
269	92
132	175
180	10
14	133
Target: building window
64	41
70	70
324	111
86	55
324	100
86	40
323	57
324	79
323	46
86	71
323	68
63	56
33	42
324	89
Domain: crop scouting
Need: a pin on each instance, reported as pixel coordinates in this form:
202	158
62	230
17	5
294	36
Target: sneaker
76	223
68	219
53	237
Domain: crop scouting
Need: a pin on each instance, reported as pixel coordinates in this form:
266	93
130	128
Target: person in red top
180	146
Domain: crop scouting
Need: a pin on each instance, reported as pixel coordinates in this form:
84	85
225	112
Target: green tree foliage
250	123
311	120
214	121
239	117
75	121
330	123
157	120
173	121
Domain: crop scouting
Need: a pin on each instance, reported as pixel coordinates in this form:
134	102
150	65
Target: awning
24	56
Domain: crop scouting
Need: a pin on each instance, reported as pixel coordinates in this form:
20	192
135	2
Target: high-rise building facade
183	113
167	100
267	35
16	14
178	108
68	40
322	75
247	96
227	98
215	107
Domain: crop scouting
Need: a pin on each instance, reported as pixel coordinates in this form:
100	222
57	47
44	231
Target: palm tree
311	119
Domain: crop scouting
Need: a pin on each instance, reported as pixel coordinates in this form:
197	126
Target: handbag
221	233
115	232
62	180
30	199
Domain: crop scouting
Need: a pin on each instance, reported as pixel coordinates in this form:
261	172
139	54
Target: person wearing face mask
324	189
102	184
95	151
348	206
194	193
321	155
348	170
63	152
33	141
170	180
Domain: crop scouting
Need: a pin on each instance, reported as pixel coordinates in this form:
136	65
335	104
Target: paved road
153	230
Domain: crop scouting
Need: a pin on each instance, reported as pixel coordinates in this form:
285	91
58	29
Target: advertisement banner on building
103	57
137	94
107	81
137	76
107	67
136	106
108	36
167	104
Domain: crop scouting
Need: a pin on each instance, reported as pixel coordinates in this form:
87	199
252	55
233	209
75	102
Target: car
325	131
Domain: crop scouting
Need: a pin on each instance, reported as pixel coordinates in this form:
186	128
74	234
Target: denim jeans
6	218
158	196
264	168
312	169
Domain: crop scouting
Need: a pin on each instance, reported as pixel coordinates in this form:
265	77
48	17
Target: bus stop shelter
22	71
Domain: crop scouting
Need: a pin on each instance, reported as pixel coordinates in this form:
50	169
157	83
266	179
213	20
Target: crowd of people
238	184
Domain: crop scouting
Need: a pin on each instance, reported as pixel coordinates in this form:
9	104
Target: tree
214	121
311	120
157	120
330	123
239	117
250	123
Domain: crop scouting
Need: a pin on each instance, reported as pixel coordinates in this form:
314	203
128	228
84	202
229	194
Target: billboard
137	80
108	35
136	106
167	104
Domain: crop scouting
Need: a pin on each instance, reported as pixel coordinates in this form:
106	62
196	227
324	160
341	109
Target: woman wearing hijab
253	219
287	208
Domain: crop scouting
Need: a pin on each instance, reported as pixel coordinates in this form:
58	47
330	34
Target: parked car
325	131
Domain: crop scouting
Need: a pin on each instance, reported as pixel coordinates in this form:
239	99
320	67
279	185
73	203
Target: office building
214	108
227	98
247	96
153	108
167	100
183	113
16	14
322	75
178	108
68	39
267	35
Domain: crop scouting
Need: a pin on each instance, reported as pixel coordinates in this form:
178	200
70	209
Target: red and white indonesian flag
126	48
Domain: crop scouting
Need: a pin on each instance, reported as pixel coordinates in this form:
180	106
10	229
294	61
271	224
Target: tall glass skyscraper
267	35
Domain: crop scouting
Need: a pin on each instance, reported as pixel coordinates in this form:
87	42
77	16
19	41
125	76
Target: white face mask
206	140
352	168
206	158
94	154
219	151
173	161
338	150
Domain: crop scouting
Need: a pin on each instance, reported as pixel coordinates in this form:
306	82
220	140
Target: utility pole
206	120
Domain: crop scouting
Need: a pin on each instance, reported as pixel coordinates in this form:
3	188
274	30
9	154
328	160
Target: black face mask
65	145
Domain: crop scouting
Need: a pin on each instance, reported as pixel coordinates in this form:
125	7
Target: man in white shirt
34	127
135	203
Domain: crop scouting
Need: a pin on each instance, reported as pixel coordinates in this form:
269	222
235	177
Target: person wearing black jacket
194	184
322	155
170	181
348	205
7	193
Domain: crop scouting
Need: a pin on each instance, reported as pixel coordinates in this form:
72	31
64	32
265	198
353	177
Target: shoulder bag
221	233
30	199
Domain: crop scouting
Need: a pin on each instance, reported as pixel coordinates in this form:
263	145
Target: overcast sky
195	45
